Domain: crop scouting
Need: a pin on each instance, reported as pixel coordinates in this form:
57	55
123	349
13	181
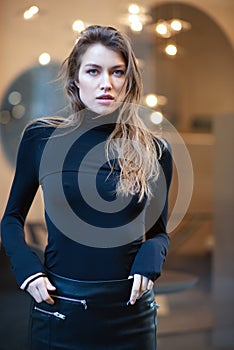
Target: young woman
98	170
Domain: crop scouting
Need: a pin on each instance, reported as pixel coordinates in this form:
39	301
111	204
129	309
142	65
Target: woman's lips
105	99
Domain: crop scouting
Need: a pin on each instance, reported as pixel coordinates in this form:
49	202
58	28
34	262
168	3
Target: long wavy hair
132	142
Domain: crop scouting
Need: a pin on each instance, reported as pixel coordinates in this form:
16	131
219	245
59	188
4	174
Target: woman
95	287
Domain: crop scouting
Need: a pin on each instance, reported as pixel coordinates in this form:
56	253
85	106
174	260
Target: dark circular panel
35	93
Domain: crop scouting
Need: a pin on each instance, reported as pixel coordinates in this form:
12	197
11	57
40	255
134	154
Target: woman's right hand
39	288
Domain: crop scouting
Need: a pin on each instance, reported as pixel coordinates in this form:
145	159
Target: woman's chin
107	109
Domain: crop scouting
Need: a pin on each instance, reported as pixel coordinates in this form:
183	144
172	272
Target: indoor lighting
136	17
169	28
14	98
171	50
78	26
176	25
44	58
18	111
133	9
161	29
151	100
156	117
32	11
135	22
136	26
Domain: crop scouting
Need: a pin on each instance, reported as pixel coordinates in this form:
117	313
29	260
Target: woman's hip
94	315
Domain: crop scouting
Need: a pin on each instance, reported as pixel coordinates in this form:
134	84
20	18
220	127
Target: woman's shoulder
47	122
41	127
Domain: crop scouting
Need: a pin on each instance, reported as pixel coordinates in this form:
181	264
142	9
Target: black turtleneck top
92	233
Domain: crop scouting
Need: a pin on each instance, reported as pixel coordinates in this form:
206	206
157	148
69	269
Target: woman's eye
118	72
92	71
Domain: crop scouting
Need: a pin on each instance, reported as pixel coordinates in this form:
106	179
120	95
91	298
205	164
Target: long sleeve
23	190
152	253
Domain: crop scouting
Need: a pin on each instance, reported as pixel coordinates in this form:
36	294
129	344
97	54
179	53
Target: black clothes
65	255
94	315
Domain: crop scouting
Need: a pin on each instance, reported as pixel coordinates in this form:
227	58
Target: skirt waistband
111	290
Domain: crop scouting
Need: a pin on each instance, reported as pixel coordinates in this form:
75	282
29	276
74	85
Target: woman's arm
147	265
23	190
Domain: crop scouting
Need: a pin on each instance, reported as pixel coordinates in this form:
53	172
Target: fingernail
132	301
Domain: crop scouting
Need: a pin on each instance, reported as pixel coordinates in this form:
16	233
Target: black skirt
95	315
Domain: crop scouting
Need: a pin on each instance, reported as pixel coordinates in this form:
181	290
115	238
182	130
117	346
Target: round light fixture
32	11
78	26
44	58
136	26
176	25
134	9
171	50
151	100
161	28
156	117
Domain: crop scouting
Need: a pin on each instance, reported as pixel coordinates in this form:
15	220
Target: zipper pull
84	304
61	316
154	304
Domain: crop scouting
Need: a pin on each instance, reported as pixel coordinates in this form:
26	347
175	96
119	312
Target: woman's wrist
30	279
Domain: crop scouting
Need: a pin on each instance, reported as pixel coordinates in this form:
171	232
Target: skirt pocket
125	326
52	326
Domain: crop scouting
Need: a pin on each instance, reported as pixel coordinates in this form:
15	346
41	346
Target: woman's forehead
99	54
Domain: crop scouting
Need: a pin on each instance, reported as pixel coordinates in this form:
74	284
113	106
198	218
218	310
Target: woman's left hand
140	285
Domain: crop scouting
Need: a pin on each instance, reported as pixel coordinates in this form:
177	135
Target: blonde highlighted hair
135	145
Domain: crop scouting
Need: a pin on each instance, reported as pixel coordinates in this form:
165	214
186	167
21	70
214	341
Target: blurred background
185	52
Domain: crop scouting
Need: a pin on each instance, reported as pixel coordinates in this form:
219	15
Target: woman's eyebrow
93	65
119	66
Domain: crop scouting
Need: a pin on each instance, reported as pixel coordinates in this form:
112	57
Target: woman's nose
105	83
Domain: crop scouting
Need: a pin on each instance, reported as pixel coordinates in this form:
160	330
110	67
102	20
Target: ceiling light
151	100
135	22
171	49
134	9
78	26
32	11
161	28
44	58
136	26
136	17
18	111
156	117
14	98
169	28
176	25
27	15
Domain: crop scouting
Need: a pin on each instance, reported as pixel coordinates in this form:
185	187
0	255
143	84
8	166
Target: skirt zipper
82	301
56	313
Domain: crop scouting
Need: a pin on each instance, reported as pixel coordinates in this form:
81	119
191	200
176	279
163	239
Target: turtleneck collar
103	122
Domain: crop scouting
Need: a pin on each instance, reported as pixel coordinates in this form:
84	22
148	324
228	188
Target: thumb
49	286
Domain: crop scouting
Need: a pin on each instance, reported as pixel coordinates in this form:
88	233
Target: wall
223	281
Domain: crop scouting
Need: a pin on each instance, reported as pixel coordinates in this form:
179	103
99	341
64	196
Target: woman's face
101	79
